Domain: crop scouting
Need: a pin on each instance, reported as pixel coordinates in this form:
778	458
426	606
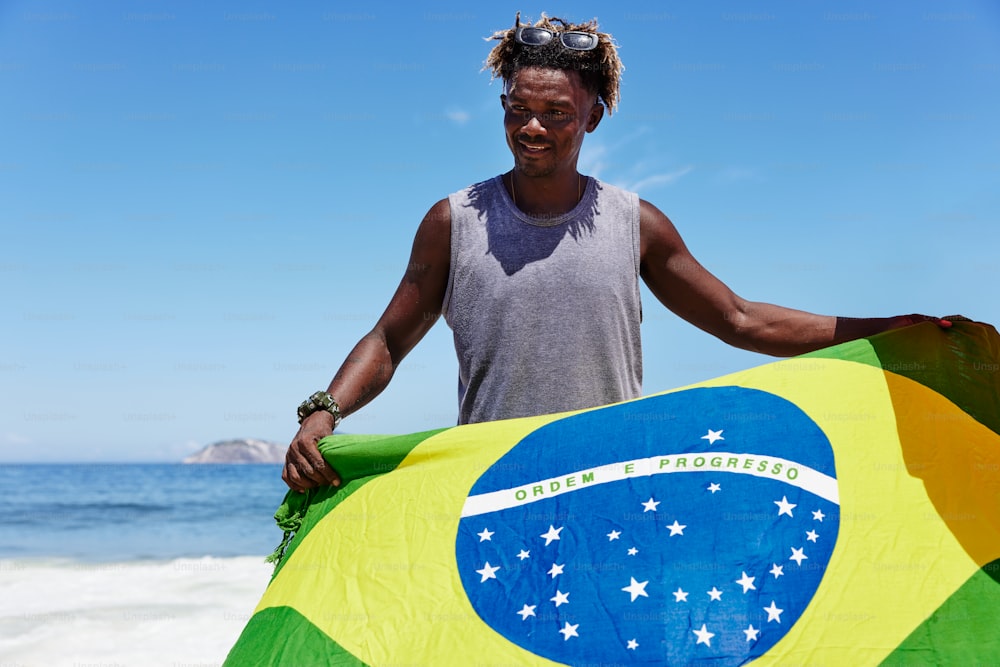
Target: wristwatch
321	400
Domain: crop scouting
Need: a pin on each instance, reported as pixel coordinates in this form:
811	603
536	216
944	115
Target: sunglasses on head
570	39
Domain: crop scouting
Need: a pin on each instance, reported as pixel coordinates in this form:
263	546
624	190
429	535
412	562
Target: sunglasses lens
575	40
580	41
534	36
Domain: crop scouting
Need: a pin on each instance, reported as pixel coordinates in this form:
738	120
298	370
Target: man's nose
534	125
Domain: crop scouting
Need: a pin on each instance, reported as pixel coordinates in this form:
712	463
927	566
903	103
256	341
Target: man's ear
503	101
596	114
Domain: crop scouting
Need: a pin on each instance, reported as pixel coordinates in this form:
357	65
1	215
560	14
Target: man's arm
684	286
411	313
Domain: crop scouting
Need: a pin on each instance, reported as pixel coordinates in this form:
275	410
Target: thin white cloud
612	163
654	180
458	116
741	175
592	159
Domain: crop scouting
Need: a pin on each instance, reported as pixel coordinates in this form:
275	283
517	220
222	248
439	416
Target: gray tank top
545	311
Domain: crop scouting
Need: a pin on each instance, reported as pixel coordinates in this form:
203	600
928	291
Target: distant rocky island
239	451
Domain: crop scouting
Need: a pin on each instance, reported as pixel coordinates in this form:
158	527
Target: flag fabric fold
841	507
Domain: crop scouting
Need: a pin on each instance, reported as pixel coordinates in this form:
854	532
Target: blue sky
204	205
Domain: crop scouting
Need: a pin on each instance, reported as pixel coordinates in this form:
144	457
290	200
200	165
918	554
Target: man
536	271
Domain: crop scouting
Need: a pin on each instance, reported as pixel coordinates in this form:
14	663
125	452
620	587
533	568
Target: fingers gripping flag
842	507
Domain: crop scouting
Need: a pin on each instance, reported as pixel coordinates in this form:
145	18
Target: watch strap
320	400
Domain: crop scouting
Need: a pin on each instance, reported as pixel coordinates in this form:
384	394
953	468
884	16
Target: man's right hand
410	314
305	468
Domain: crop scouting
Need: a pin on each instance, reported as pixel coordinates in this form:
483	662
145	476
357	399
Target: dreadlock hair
600	68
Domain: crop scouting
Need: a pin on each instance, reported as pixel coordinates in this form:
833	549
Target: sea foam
185	612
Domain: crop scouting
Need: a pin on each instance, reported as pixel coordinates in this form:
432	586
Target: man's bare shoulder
437	220
434	233
656	232
649	213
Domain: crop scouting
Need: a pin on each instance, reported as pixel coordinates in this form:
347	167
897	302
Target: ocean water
135	564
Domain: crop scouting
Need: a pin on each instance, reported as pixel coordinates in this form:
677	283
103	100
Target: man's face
547	112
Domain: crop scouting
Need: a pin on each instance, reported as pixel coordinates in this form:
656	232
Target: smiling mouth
533	148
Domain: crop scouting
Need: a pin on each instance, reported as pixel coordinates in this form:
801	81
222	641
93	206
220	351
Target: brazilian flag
841	508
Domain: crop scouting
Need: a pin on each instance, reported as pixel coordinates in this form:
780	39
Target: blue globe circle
710	553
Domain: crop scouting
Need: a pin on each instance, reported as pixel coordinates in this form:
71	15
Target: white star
633	551
555	570
552	534
773	613
488	572
715	594
704	636
569	631
636	588
798	556
650	505
713	487
751	633
676	528
746	582
784	507
614	535
777	570
526	611
632	645
818	515
524	554
485	535
712	436
812	536
680	595
560	598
